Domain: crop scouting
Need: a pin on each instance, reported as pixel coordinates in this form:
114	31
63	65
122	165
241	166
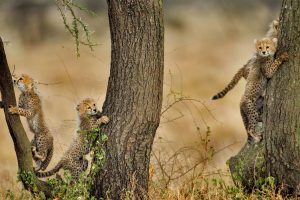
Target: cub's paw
285	56
33	150
254	140
257	139
104	119
12	109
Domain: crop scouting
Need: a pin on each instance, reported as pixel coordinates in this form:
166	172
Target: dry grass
203	51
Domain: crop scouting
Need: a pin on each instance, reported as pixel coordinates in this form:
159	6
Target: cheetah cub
263	67
244	71
73	159
30	106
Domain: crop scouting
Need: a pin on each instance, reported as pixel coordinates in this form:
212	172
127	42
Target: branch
16	130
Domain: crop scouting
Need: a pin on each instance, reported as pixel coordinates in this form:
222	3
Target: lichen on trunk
248	167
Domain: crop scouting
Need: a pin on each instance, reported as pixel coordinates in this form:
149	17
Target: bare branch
55	83
203	160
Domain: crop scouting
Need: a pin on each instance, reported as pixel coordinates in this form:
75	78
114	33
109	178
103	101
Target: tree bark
134	97
248	168
16	130
281	118
282	113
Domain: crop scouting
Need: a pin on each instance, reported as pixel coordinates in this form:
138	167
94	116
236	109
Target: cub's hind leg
260	107
78	166
40	152
252	116
34	152
243	110
84	164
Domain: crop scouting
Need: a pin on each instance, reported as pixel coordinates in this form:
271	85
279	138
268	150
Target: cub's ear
276	24
275	40
255	41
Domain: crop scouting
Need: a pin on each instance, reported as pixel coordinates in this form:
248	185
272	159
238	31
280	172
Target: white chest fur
34	123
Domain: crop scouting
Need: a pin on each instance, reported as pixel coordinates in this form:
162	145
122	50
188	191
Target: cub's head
275	25
24	82
266	47
87	107
274	28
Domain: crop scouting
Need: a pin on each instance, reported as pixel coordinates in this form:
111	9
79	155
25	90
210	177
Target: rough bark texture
281	117
248	167
282	113
134	96
15	127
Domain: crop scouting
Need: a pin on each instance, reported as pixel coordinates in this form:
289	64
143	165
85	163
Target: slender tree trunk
17	132
134	96
279	153
282	113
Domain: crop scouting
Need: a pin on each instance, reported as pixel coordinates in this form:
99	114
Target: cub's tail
231	85
49	173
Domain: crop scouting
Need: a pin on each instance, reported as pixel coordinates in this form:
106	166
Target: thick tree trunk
17	132
134	96
282	113
281	118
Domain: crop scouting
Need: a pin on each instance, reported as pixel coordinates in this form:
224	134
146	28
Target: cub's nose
15	81
264	52
95	110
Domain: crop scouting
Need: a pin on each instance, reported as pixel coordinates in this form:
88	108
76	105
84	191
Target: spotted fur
30	106
244	71
73	160
264	67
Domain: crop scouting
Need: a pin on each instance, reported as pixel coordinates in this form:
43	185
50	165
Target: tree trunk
134	96
282	113
281	118
17	132
248	167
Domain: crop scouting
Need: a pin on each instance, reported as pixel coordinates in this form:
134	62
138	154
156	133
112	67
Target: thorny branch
68	7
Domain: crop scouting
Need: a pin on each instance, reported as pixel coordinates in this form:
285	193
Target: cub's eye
89	108
21	79
94	104
267	47
260	48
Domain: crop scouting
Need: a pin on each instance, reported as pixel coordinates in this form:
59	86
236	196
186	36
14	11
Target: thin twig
55	83
201	161
70	79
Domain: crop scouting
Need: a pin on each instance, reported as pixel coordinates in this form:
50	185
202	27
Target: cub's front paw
104	119
12	109
33	149
285	56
